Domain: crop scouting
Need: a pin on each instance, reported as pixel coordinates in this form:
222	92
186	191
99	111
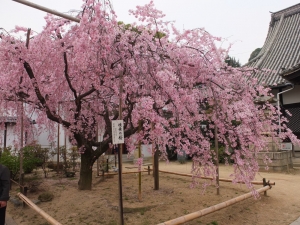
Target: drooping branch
40	97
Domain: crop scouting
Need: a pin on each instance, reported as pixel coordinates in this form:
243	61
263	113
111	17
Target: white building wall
11	137
146	151
292	96
289	97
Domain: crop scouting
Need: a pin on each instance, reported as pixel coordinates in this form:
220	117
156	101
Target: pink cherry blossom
173	83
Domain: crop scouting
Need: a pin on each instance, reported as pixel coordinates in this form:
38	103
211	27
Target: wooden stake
217	160
140	174
97	139
58	153
156	170
21	178
120	155
153	151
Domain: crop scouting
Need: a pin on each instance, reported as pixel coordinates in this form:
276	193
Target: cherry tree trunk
85	180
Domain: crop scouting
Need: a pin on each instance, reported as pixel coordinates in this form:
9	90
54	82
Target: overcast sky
243	22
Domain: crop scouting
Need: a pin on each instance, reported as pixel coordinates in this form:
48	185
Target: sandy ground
175	198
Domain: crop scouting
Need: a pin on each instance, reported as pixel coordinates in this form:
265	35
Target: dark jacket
4	183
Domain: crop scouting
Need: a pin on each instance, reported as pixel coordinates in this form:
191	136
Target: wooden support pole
156	170
210	178
140	155
58	153
21	178
5	135
24	191
42	8
120	152
203	212
217	160
97	139
38	210
153	150
120	185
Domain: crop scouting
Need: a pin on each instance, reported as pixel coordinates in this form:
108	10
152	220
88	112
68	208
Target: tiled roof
281	50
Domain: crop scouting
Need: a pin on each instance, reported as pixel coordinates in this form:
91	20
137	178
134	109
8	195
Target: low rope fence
38	210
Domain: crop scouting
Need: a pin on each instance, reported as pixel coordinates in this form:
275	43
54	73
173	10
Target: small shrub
30	158
11	161
53	166
45	197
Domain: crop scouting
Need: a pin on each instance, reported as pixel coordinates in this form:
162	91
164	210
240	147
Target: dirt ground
174	198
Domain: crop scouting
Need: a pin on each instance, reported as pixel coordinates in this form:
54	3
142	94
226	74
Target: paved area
296	222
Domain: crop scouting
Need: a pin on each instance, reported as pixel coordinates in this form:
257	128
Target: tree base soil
174	198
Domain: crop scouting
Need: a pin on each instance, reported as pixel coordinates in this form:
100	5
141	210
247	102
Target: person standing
4	191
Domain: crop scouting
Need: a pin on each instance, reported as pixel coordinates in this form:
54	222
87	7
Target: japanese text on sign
117	132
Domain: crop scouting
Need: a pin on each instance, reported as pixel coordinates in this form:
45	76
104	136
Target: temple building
278	67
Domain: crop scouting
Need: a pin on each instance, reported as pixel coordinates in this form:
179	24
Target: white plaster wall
146	150
11	138
42	138
289	97
292	96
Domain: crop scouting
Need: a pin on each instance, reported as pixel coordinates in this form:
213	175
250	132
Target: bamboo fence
210	178
203	212
38	210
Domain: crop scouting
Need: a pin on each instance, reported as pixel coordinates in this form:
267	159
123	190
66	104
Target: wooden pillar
156	170
140	155
120	152
58	153
217	160
21	178
5	135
